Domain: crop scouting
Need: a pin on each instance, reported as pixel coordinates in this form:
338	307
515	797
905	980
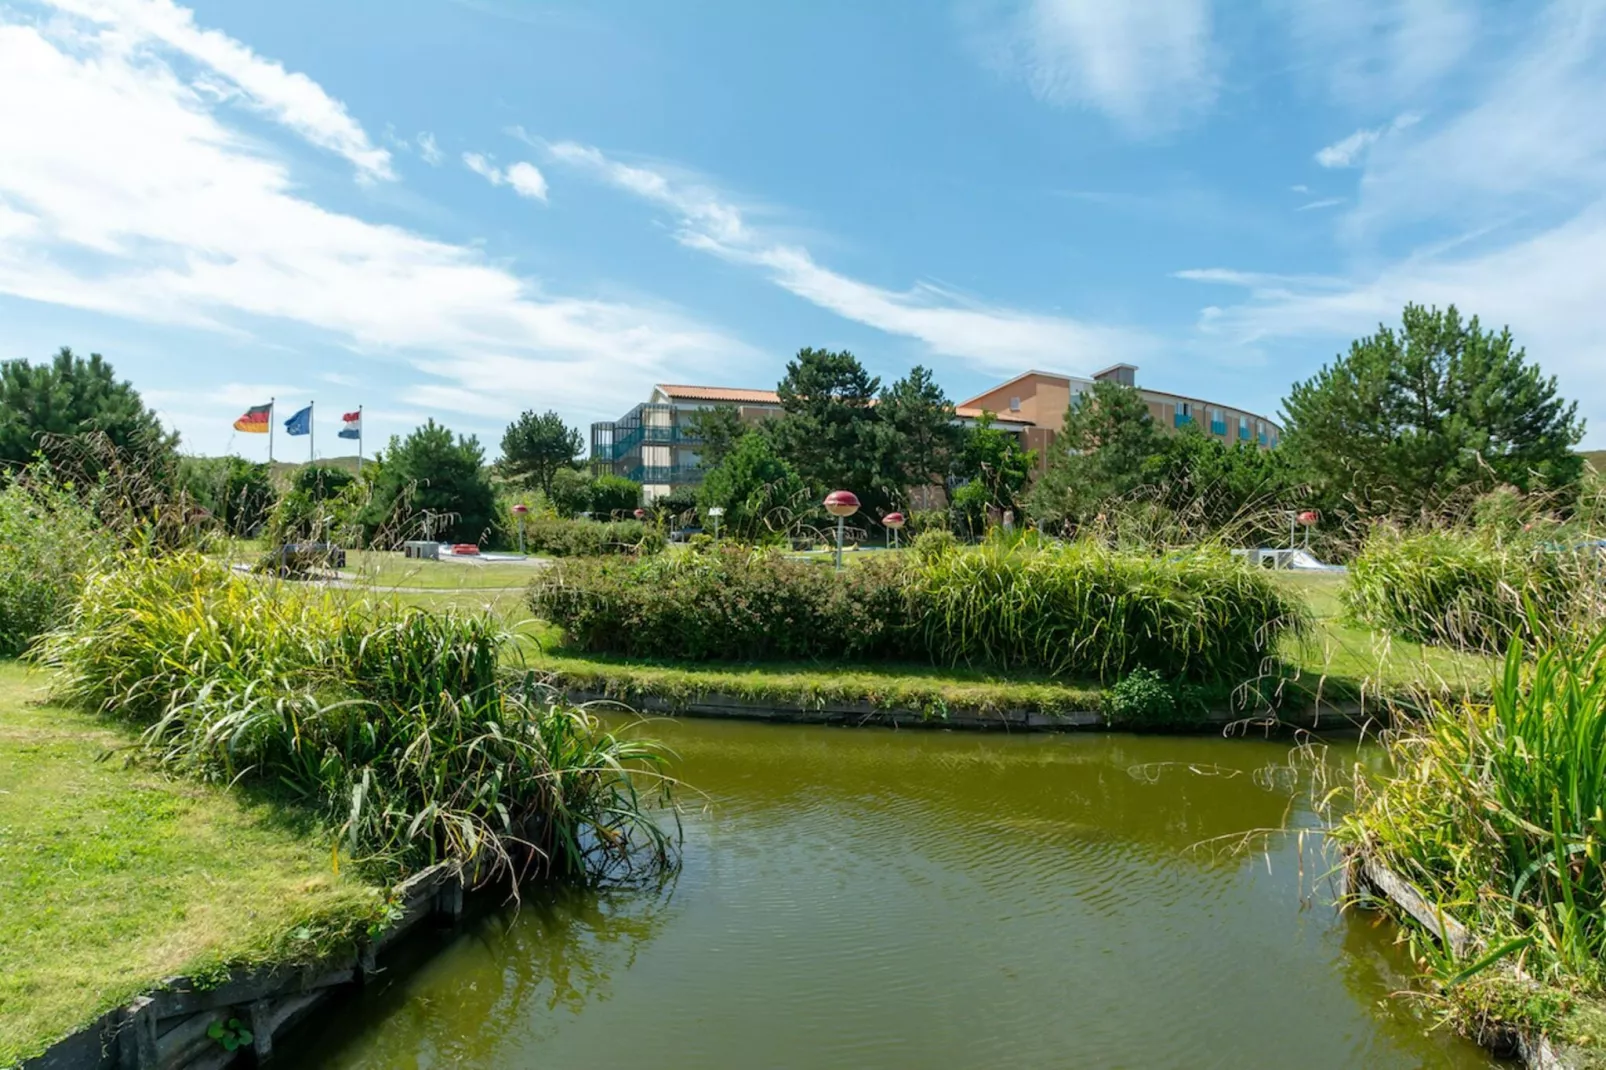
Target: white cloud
1147	64
197	224
994	337
1380	53
1349	151
430	151
1300	189
289	97
525	178
1325	202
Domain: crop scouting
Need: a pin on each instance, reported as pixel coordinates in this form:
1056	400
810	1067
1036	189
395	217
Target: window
1243	429
1218	423
1184	413
1014	404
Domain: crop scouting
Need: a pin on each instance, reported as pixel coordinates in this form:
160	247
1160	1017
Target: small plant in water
231	1035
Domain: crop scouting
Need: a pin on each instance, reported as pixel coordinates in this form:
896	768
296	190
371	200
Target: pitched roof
721	393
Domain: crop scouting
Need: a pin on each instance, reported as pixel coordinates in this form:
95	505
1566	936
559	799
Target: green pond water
869	898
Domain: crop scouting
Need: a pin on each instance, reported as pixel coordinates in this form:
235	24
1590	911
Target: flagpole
311	438
270	430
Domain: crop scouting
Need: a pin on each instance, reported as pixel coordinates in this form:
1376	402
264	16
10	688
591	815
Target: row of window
1218	425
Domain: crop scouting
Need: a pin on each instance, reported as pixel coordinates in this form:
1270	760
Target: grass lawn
113	878
394	570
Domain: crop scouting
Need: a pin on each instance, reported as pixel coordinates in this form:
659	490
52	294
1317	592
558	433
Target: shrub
49	541
728	603
1080	611
1084	610
612	495
1145	699
930	545
558	537
391	724
1472	591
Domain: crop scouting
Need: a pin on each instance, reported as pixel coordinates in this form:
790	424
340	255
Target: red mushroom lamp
841	504
519	510
894	523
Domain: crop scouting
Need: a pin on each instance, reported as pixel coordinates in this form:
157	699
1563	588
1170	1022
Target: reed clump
1473	590
1080	611
49	542
394	725
1496	811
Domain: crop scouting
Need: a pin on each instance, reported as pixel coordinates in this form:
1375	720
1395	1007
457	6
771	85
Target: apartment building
656	445
1040	399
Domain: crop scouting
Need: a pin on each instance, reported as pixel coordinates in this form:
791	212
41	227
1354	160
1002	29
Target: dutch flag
353	425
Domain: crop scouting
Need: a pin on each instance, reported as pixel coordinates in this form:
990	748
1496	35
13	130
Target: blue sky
465	208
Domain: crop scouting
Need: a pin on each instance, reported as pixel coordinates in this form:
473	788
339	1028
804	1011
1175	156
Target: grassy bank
114	877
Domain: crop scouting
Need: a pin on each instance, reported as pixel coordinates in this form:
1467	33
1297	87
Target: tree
238	492
73	396
1407	419
320	482
994	468
611	494
829	431
1105	451
434	478
718	428
571	492
1203	480
535	447
760	493
924	438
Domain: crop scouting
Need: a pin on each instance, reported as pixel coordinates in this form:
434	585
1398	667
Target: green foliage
536	447
321	482
720	428
231	1035
613	495
72	396
761	494
570	493
923	441
930	545
1212	487
672	508
995	469
1078	612
1495	812
1086	611
49	541
830	432
1407	419
726	603
558	537
429	480
1471	590
1103	453
1145	699
392	724
239	493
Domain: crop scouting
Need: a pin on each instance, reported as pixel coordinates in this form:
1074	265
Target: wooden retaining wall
166	1029
714	704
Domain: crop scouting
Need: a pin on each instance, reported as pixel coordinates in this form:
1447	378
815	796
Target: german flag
255	420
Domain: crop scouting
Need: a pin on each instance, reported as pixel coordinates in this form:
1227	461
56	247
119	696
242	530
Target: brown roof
721	393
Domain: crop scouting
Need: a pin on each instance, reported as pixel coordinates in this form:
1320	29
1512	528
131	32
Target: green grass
115	877
393	570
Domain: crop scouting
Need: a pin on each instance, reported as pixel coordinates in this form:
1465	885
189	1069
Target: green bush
392	724
557	537
1469	590
932	544
1145	699
1081	611
724	603
48	543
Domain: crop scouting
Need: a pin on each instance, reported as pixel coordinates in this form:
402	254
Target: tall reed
396	726
1497	811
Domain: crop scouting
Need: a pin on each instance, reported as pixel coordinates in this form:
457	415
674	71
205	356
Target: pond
870	898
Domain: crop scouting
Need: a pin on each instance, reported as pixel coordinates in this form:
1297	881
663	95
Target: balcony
1182	419
668	473
1218	427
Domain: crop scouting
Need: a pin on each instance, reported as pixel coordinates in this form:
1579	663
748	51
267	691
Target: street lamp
1307	520
641	514
714	513
841	504
894	523
519	511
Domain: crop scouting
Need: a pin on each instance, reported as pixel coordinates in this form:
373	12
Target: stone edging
166	1029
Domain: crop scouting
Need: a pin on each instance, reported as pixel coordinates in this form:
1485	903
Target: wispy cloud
525	178
428	150
1325	202
1349	151
199	224
289	97
949	324
1147	64
1380	53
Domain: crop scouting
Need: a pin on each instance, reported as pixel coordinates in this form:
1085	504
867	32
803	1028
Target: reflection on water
881	899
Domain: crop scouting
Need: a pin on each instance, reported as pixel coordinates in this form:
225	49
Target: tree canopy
1409	418
72	396
995	471
432	478
760	493
1103	453
536	446
923	439
719	428
239	493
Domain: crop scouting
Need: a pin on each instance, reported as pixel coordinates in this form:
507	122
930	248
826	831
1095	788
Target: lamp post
1307	520
714	513
519	511
841	504
641	514
894	523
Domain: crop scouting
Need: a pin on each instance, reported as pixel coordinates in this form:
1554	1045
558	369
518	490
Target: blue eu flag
300	423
